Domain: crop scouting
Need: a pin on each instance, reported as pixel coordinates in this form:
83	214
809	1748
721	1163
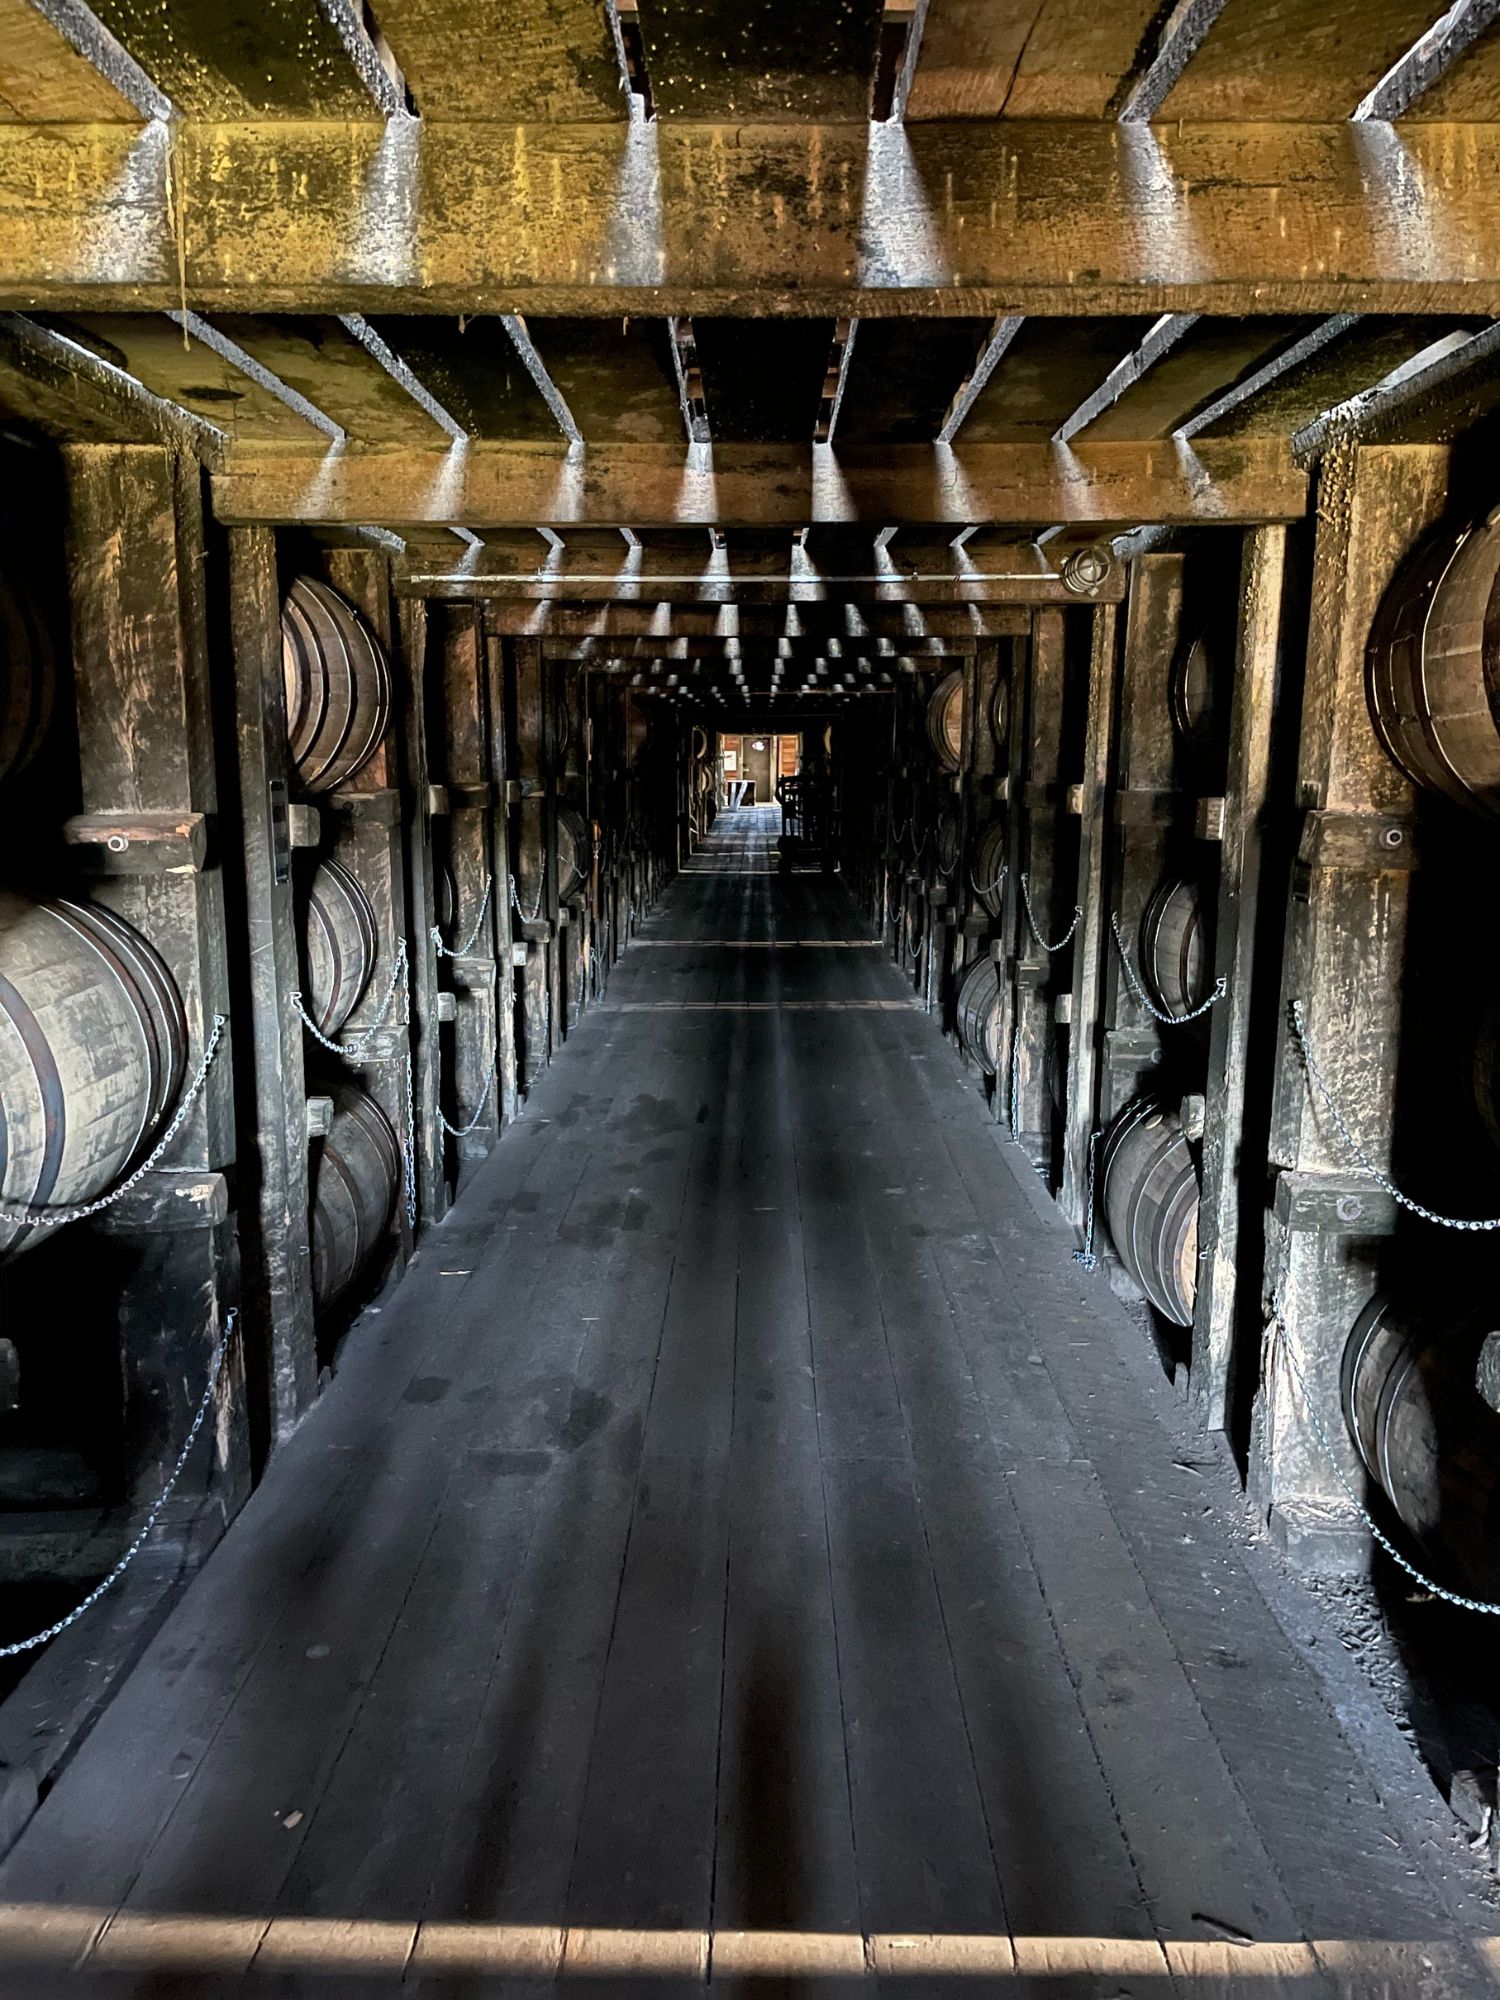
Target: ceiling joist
966	219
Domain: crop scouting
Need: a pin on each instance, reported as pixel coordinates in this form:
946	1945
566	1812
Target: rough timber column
533	853
473	1085
145	737
276	1255
1050	901
1346	934
501	866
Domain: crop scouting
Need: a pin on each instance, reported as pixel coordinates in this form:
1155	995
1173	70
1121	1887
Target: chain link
1366	1164
467	946
1085	1258
1015	1081
515	902
1286	1346
1221	987
51	1218
51	1631
1067	936
996	884
356	1051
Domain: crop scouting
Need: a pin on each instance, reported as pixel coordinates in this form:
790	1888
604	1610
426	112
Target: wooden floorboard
743	1518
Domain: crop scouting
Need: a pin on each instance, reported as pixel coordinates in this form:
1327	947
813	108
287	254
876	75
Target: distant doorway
751	767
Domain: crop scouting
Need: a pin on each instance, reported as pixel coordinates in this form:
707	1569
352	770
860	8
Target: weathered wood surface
66	392
1024	58
505	59
1345	957
775	62
421	907
1295	59
1229	1166
750	1576
848	621
1092	942
472	1085
275	1252
271	59
788	485
44	79
1037	975
954	218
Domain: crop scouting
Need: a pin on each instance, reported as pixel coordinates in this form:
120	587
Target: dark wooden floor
745	1518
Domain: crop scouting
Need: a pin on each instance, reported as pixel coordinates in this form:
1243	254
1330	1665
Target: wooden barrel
93	1048
1174	948
946	843
28	677
1148	1189
945	720
337	682
1423	1434
354	1174
1195	697
1000	710
989	860
340	943
979	1014
1432	669
572	852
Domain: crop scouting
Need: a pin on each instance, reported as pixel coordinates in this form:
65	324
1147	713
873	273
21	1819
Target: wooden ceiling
674	302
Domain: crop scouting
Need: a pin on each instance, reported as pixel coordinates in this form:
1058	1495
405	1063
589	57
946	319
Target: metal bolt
1349	1208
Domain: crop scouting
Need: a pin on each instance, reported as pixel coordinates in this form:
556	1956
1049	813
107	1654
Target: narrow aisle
744	1518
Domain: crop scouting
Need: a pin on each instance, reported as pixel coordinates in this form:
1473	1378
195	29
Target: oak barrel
1000	710
1148	1189
946	843
337	682
1432	669
93	1049
945	719
1195	697
354	1174
1423	1434
1174	948
340	943
572	852
989	860
27	677
979	1014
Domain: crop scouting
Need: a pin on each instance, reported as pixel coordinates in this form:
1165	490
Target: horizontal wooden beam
804	647
790	485
1003	216
658	625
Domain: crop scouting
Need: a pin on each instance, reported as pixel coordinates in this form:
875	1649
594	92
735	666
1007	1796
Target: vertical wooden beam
145	739
535	883
1246	800
1089	943
432	1187
1052	911
502	867
1345	960
1142	807
277	1267
474	1091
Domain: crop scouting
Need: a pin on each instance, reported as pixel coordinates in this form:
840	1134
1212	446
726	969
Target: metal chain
1085	1258
51	1631
462	951
1015	1081
1367	1165
515	902
1278	1326
1221	987
355	1051
51	1218
1067	936
997	883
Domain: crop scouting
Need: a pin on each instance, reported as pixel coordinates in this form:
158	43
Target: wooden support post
1142	808
473	1086
502	869
145	739
366	817
1346	934
1052	906
1227	1171
532	860
278	1299
432	1187
1090	942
